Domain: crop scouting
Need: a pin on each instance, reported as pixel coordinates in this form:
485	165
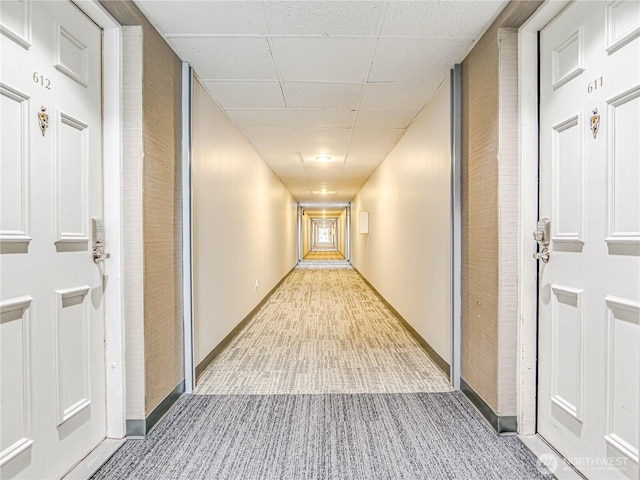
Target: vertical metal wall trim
348	246
187	225
299	232
456	224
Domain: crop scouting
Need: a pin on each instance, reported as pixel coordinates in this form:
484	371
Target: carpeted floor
323	384
324	255
322	437
323	331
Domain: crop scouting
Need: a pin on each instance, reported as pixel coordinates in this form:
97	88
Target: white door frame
112	171
528	213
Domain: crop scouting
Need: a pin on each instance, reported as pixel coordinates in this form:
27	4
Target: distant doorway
323	233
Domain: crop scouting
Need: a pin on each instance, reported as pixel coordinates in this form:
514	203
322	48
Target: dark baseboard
140	428
201	367
501	424
136	428
439	361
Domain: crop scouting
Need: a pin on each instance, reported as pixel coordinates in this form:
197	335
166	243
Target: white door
51	297
589	291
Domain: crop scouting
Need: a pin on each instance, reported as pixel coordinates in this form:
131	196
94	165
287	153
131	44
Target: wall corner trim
501	424
218	349
437	359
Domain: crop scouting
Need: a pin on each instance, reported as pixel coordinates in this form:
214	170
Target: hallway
324	383
324	255
319	239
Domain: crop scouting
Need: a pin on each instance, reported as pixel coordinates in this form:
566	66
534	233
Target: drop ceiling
339	81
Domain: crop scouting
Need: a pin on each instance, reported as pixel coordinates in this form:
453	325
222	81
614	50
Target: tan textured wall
479	218
489	218
161	208
163	326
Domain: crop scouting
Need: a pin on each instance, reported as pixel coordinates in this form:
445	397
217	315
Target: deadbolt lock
542	235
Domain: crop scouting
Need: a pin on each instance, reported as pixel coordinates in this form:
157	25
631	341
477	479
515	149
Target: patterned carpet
324	255
323	331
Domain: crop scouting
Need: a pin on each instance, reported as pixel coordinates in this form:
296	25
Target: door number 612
42	80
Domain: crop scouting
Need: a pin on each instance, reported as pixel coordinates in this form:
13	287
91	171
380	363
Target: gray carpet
334	436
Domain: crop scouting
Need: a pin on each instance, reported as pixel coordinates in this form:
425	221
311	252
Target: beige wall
244	226
153	233
489	216
405	255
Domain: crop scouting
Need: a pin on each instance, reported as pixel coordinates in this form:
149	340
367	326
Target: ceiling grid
323	90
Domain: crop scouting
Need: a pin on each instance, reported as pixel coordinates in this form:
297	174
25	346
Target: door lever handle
543	256
542	236
99	254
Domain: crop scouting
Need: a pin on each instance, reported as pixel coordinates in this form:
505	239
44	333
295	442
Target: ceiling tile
322	118
322	95
439	19
295	180
327	59
385	118
226	58
246	94
259	118
337	161
321	135
370	148
361	171
400	96
314	148
201	17
416	60
378	135
366	65
269	134
323	18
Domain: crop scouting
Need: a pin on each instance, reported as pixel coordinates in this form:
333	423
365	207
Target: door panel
589	292
623	154
52	328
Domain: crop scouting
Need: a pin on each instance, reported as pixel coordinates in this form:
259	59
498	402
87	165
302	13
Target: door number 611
42	80
593	86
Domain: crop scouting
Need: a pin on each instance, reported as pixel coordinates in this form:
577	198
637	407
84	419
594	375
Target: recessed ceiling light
323	158
323	192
